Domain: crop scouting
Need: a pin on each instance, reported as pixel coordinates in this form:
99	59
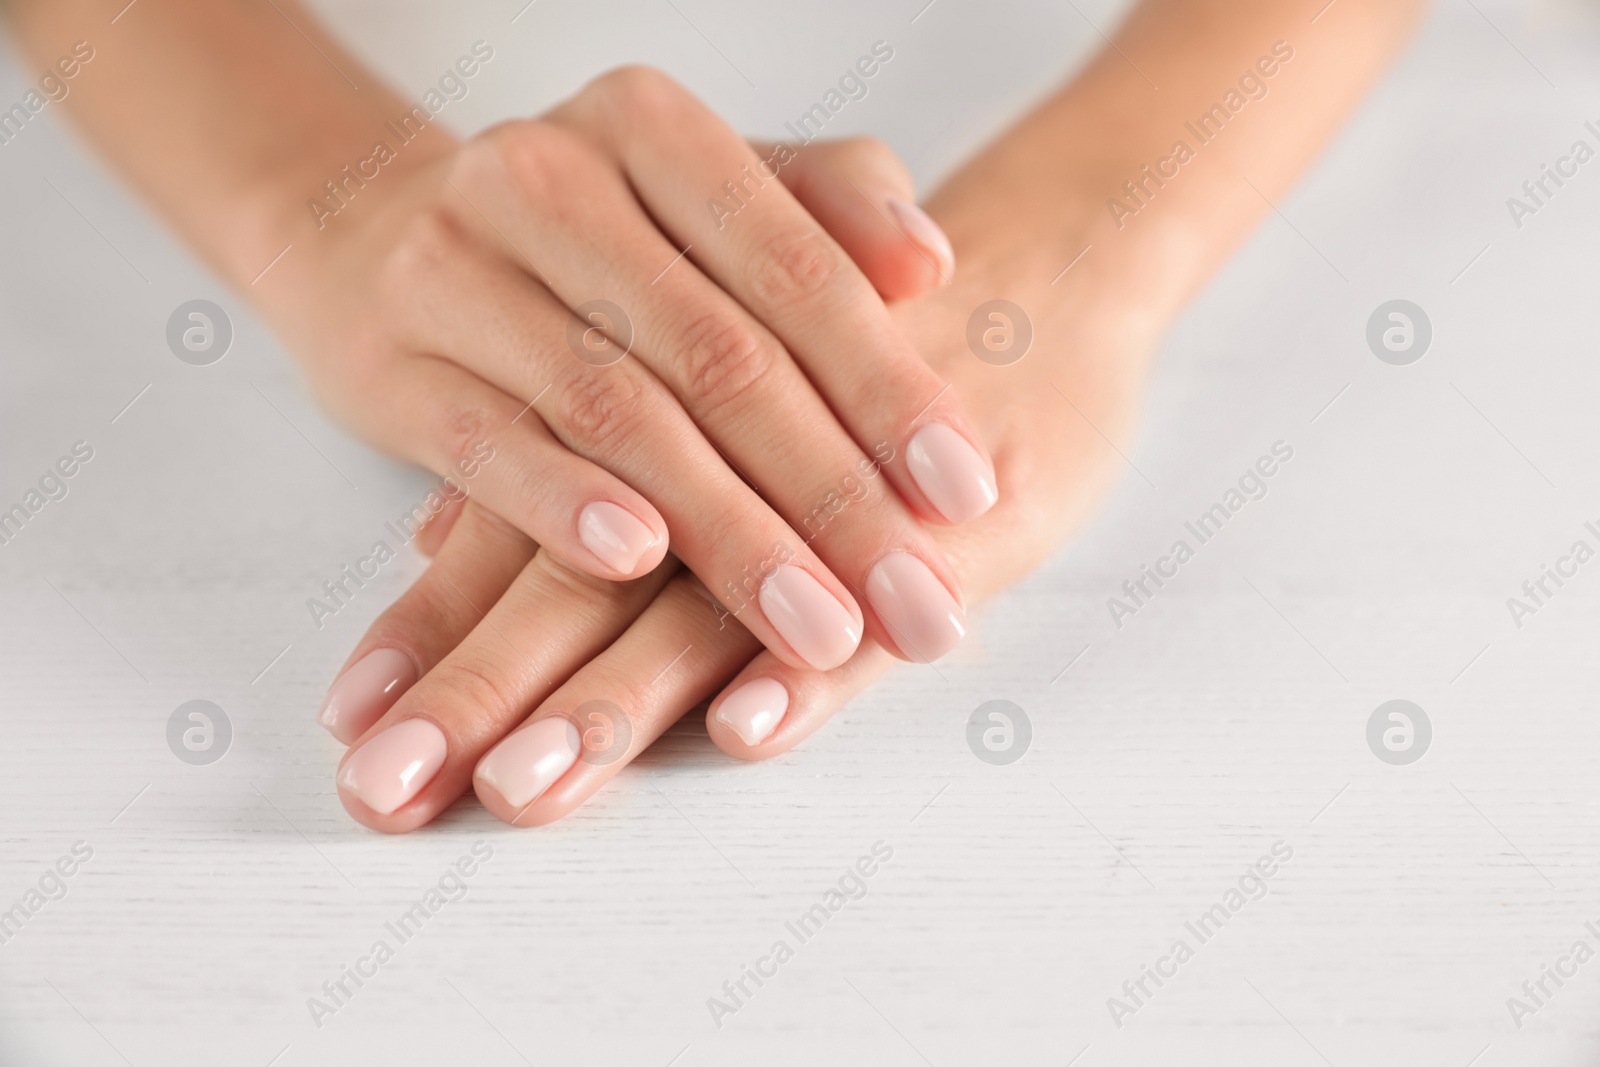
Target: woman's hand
621	324
212	112
844	185
562	680
542	699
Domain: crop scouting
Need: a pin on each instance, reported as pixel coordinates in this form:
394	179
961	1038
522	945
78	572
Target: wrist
331	217
1052	249
1032	217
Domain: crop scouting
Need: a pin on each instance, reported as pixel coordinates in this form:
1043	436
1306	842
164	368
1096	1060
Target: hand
1017	214
599	670
839	183
753	371
239	200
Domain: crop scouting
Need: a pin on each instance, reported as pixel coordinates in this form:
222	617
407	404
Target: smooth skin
526	641
448	310
1049	420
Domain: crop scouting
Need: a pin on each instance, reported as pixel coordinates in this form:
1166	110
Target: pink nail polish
809	617
921	615
754	709
955	478
390	769
615	537
365	691
919	226
529	761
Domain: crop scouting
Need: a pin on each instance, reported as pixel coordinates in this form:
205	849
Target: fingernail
926	235
365	691
393	767
615	537
809	617
955	478
922	616
528	762
754	709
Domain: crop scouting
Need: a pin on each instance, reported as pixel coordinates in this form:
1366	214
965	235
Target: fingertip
746	714
924	618
362	694
926	239
525	766
387	791
620	544
899	248
807	699
863	195
957	479
896	270
819	624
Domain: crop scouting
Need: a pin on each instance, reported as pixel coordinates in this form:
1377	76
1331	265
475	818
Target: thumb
862	194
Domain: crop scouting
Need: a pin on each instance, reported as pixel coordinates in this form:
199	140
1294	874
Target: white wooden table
1229	714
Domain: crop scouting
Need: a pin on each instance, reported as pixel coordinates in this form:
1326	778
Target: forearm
228	117
1058	181
231	117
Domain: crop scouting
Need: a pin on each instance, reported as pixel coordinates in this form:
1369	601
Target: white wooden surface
1173	752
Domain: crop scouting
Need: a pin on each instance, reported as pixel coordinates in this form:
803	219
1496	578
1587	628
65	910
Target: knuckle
431	241
742	533
540	158
796	270
559	584
723	359
637	85
874	159
466	429
426	604
908	387
867	152
601	408
479	684
489	526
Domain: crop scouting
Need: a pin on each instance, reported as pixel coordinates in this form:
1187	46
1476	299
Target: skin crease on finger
338	300
753	417
1048	423
1049	418
1025	207
1045	415
390	820
775	261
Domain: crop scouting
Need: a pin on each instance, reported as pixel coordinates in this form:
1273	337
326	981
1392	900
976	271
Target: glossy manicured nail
754	709
617	538
809	617
919	226
957	480
528	762
922	616
393	767
365	691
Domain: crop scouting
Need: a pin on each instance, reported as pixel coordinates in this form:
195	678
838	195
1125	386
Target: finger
418	758
754	405
862	194
476	564
572	507
508	328
775	260
771	707
668	661
436	528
